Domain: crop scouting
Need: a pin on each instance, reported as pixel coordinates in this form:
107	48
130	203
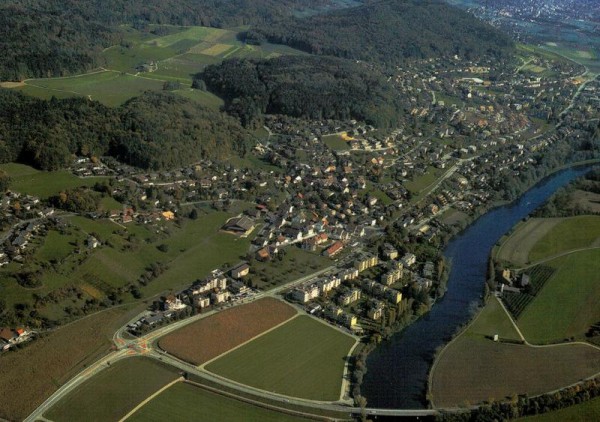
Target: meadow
210	337
29	181
473	368
112	393
181	400
303	358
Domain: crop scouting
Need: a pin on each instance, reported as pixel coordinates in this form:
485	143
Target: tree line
153	131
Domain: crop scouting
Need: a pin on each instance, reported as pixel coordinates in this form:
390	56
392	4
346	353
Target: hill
389	32
153	131
42	38
308	87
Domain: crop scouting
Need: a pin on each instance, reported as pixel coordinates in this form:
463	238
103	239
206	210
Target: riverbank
398	369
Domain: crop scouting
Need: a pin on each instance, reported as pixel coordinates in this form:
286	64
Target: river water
398	368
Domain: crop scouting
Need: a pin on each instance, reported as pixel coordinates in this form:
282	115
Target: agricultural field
568	304
38	370
571	233
515	248
588	411
303	358
175	57
473	368
29	181
181	400
112	393
210	337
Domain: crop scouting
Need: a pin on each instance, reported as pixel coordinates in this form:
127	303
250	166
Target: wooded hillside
153	131
389	32
308	87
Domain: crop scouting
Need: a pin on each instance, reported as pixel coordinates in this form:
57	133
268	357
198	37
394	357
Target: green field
112	393
420	183
568	303
493	320
29	181
303	358
588	411
186	402
572	233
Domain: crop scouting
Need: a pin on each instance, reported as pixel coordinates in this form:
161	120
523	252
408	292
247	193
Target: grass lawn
112	393
336	142
567	305
186	402
57	246
303	358
29	181
572	233
35	372
296	263
588	411
473	368
210	337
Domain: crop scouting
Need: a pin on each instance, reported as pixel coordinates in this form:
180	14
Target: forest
304	86
153	131
43	38
389	32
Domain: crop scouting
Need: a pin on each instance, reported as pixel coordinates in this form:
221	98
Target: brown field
472	370
210	337
516	248
33	373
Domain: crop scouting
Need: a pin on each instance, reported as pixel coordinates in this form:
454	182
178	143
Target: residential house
334	249
240	271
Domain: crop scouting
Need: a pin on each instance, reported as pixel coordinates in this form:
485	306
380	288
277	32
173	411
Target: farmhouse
239	225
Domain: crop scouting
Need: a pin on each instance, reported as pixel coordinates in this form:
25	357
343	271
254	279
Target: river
398	368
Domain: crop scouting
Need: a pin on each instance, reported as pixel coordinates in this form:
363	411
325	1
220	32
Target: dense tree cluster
308	87
153	131
388	32
42	38
79	200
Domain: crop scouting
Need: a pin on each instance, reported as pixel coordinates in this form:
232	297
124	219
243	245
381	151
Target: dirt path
144	402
